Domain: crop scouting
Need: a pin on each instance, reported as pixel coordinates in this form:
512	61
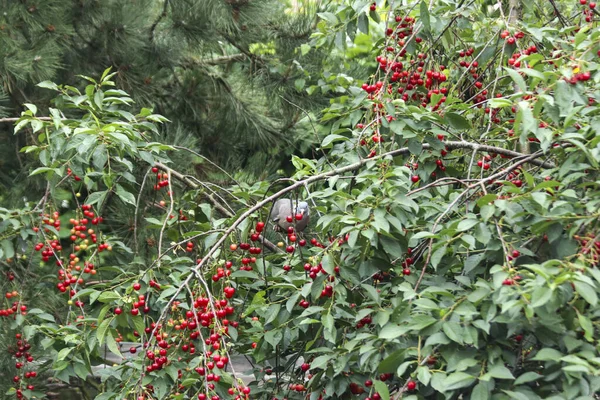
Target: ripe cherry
415	178
411	385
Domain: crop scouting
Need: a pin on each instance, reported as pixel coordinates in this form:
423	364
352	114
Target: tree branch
189	182
15	119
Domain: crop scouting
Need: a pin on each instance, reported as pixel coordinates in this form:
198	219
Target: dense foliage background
452	178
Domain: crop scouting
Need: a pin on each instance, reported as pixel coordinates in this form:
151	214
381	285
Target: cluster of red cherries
20	351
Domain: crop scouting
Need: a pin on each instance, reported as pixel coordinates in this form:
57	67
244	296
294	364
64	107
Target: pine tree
228	73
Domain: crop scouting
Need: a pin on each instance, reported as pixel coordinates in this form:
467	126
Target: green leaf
274	337
321	361
125	196
328	264
363	23
63	353
332	138
437	256
458	380
107	297
101	331
540	296
48	85
587	292
499	371
457	121
517	78
112	344
41	170
466	224
390	331
454	331
423	375
382	389
587	326
391	362
421	322
96	197
547	354
424	14
138	323
527	377
480	392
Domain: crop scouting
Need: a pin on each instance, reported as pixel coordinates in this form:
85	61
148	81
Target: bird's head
302	208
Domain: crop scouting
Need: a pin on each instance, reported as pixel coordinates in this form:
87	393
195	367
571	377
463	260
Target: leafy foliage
453	245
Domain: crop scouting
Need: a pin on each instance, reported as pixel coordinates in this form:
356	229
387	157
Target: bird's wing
281	209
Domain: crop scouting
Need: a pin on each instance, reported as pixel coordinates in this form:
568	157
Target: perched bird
282	215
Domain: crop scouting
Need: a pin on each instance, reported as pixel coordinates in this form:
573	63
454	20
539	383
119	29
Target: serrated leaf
458	380
112	345
101	331
391	362
274	337
424	15
390	331
107	297
466	224
382	389
527	377
454	331
125	196
547	354
499	371
480	392
587	292
363	23
540	296
96	197
517	78
457	121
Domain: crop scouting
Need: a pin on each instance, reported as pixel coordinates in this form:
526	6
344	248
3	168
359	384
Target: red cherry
411	385
136	286
118	311
415	178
